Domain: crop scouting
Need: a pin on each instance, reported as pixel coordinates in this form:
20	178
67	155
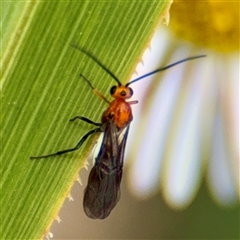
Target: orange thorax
120	112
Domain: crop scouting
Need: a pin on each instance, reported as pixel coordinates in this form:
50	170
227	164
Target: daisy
185	128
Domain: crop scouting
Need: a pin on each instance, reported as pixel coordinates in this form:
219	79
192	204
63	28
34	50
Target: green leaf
42	90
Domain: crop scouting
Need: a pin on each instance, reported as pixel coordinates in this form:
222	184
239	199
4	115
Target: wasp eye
131	91
113	90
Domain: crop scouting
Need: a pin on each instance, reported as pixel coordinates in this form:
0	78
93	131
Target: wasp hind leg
82	140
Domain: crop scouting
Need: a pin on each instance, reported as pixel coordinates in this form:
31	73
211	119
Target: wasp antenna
96	61
164	68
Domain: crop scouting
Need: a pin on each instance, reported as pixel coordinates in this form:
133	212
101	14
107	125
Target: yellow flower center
207	23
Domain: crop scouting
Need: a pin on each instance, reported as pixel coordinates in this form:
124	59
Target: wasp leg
85	120
82	140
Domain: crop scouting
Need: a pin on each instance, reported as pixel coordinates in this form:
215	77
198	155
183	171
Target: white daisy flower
185	128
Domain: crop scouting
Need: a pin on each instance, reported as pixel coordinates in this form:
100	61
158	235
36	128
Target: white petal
184	157
147	167
224	161
222	182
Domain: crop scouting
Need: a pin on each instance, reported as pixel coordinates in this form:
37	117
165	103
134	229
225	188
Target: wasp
103	189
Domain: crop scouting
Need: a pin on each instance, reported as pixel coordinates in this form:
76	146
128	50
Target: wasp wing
103	190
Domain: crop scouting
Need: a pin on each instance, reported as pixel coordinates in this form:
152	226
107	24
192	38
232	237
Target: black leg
86	120
82	140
